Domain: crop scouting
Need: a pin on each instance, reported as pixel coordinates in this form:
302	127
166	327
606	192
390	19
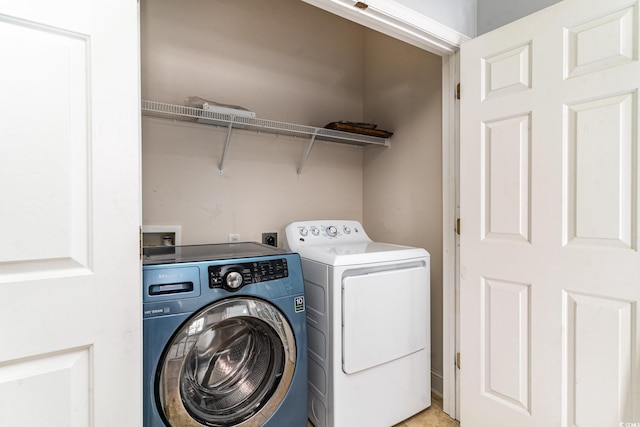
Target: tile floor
430	417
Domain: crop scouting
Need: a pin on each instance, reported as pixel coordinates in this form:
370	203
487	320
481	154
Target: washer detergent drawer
385	317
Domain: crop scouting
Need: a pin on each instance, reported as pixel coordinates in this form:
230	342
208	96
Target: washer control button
332	231
234	280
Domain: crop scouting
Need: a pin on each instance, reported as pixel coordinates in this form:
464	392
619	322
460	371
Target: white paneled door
550	269
70	344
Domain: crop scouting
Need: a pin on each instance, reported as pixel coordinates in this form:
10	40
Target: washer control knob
304	231
332	231
315	231
347	230
234	280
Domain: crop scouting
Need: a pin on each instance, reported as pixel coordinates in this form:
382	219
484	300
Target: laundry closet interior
291	62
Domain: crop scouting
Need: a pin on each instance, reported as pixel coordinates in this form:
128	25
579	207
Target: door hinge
458	226
458	360
458	91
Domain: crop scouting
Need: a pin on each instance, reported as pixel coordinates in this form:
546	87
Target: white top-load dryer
368	325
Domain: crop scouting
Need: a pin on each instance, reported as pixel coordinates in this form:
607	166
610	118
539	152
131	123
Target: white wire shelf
230	121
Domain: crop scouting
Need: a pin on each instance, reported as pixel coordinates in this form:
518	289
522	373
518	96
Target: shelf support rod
305	156
226	145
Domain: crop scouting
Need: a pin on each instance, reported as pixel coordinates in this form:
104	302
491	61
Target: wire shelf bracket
305	156
226	147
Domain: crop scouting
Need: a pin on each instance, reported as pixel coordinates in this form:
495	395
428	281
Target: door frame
450	241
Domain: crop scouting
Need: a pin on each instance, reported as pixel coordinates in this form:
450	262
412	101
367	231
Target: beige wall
290	62
282	59
402	196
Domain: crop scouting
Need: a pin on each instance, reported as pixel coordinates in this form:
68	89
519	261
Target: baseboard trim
436	383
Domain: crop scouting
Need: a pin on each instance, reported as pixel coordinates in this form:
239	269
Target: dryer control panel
328	232
233	276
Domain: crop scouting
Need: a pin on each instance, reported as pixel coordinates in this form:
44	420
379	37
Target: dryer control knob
234	280
332	231
315	231
347	230
304	231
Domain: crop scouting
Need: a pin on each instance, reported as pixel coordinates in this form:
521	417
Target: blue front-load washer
224	332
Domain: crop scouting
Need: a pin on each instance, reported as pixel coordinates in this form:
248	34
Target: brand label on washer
157	311
299	304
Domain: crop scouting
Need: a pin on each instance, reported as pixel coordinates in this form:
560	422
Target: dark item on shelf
361	128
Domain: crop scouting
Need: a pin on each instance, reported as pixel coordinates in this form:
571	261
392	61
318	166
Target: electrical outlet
234	238
270	239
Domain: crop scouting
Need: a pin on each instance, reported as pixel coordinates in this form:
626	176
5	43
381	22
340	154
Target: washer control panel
234	276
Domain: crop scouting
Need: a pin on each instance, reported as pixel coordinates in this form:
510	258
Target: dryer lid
343	242
360	253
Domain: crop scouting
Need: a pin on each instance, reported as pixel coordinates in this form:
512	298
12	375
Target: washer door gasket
230	364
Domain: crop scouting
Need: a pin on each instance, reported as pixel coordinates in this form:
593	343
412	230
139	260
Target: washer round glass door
230	364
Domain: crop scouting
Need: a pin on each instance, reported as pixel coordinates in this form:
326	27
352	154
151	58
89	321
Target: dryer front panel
230	364
385	316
